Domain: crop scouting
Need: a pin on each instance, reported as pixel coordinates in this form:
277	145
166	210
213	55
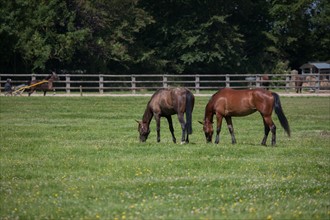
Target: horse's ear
200	122
137	121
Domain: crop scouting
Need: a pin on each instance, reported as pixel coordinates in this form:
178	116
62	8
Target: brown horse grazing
298	82
227	103
164	103
46	86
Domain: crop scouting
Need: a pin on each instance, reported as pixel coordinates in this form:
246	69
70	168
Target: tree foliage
300	31
165	36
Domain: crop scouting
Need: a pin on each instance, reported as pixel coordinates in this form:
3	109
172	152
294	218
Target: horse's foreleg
157	118
219	123
170	124
30	92
183	127
231	129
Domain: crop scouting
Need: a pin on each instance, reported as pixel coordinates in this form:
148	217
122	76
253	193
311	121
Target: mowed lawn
80	158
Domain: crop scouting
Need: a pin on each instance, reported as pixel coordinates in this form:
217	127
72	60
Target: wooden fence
103	83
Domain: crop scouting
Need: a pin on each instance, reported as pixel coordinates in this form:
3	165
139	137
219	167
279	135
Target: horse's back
161	102
233	102
168	101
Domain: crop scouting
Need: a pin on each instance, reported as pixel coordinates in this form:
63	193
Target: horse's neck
209	112
147	116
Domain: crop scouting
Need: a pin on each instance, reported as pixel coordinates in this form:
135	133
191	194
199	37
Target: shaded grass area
80	158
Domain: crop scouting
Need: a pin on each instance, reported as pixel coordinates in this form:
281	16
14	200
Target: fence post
317	82
258	80
133	82
164	81
227	80
197	83
80	90
287	83
101	83
67	83
33	76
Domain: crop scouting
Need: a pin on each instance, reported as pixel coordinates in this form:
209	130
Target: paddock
80	158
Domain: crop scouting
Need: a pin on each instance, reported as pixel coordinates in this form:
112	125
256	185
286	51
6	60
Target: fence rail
103	83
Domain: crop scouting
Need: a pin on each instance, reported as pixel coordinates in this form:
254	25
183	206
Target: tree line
163	36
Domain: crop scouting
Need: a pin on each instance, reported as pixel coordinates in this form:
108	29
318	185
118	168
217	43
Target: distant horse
164	103
46	86
227	103
265	81
298	82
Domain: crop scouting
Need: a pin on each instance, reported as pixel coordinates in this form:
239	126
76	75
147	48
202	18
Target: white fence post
258	80
164	81
197	83
133	84
67	83
317	82
287	83
227	80
101	83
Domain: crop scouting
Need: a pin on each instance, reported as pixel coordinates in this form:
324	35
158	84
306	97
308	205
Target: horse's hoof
183	142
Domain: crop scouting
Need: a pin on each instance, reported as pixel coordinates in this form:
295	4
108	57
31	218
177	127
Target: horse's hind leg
231	129
269	126
183	127
273	130
170	124
267	129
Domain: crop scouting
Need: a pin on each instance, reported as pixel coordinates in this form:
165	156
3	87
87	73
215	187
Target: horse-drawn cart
43	85
21	88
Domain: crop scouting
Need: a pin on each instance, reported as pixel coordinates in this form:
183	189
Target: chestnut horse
227	103
164	103
46	86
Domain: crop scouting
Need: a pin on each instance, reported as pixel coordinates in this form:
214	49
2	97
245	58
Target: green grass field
80	158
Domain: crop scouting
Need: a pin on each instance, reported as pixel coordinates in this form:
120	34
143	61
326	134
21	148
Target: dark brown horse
227	103
164	103
298	82
45	86
265	81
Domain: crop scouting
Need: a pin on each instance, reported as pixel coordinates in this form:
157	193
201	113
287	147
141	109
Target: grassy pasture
80	158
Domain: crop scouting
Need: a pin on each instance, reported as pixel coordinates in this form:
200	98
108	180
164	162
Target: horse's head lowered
208	130
144	130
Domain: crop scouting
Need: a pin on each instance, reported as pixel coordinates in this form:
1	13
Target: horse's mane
147	116
49	76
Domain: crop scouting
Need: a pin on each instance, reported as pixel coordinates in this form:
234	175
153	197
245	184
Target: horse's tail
280	114
190	100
